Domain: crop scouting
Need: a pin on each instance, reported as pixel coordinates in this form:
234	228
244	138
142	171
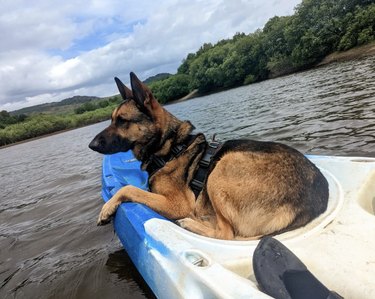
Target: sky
51	50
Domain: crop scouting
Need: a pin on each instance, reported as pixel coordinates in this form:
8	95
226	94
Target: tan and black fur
252	188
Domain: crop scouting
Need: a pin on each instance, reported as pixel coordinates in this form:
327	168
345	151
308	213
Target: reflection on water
50	246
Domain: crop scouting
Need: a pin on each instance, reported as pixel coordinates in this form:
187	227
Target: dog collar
154	163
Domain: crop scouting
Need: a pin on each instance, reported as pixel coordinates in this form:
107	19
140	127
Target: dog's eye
120	120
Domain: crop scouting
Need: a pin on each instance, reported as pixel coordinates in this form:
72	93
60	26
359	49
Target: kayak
338	247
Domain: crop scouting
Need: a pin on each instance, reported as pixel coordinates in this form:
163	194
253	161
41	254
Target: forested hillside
285	44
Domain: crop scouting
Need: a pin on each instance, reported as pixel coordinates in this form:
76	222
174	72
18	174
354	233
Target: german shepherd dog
251	189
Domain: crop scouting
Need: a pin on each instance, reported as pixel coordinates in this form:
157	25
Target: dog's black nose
97	144
94	144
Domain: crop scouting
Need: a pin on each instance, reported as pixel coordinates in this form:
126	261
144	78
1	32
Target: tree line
285	44
7	119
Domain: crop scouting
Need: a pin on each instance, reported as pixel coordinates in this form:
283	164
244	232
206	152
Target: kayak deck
338	247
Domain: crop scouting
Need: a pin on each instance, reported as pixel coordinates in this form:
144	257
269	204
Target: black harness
155	163
199	178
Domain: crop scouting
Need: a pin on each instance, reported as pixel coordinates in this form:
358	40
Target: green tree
103	104
172	88
361	28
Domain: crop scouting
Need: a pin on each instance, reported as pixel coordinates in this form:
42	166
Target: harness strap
155	163
199	178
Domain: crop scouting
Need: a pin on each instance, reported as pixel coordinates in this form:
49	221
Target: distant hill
54	107
70	104
157	77
76	100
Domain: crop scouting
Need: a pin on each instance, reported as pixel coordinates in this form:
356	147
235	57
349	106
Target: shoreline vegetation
318	33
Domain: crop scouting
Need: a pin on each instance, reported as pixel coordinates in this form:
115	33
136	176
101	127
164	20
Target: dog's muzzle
108	144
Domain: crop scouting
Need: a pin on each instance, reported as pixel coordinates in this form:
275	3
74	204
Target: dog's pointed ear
125	92
143	95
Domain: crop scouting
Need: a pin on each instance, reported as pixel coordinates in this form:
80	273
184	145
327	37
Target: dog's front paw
107	212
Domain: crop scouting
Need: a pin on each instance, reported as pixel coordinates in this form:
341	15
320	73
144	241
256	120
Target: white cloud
109	38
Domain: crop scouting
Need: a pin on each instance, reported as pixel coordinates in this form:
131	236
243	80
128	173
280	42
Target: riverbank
354	53
44	125
44	136
193	94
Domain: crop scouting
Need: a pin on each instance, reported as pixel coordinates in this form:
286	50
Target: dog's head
135	121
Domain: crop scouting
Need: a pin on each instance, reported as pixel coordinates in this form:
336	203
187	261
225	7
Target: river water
50	246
